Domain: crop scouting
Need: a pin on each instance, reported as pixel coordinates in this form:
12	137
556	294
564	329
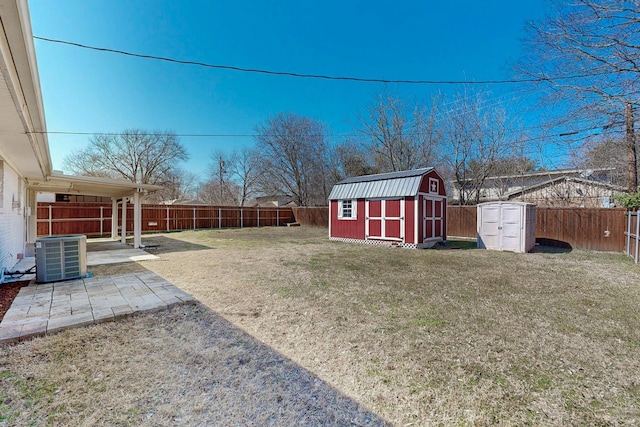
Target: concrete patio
47	308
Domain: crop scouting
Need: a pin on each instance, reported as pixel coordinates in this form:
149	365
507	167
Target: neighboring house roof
583	181
393	184
528	179
506	186
183	202
274	200
24	143
550	173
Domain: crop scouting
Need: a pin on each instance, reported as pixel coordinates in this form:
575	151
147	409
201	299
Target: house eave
24	144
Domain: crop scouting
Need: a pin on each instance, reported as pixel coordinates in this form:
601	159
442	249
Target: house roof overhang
23	140
88	185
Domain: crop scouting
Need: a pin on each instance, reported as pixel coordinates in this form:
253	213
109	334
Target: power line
313	76
185	135
340	135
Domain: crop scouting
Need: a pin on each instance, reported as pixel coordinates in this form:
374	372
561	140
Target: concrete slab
10	331
122	310
36	328
75	320
60	312
117	256
53	307
16	313
103	315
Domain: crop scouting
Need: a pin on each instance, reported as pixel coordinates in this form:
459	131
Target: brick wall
12	224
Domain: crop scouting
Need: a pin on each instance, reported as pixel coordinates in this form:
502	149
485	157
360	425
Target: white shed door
500	227
511	225
490	227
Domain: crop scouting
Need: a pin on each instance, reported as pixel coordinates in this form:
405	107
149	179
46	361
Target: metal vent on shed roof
393	184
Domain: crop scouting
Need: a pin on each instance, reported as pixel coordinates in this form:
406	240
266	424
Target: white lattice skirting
376	242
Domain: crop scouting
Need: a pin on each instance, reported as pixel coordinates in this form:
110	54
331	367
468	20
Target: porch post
50	220
31	213
123	236
101	220
114	218
137	220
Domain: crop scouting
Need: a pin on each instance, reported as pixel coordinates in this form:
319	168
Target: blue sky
90	91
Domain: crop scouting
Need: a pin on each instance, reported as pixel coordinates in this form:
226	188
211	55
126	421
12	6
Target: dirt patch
9	292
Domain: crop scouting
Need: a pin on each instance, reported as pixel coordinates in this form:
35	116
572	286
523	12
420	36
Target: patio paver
41	309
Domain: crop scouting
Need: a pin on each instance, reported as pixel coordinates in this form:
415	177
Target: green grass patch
422	322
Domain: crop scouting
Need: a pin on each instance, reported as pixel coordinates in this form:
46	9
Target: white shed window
347	209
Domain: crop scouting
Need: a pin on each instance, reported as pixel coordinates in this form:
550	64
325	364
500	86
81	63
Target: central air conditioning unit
61	258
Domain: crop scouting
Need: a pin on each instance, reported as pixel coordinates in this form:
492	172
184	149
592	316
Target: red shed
407	208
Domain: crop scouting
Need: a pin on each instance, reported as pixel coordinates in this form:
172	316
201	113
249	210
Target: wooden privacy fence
461	221
586	228
601	229
632	234
94	219
318	216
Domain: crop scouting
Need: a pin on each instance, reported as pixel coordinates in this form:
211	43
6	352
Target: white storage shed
507	226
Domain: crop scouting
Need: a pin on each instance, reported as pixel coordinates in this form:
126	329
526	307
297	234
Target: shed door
385	219
490	227
432	225
500	227
511	225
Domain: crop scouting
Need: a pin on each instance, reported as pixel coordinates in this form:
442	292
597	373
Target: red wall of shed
347	228
424	186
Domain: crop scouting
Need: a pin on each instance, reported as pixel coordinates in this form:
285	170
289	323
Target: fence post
277	217
101	219
50	221
627	247
637	237
258	214
241	222
194	217
219	218
167	218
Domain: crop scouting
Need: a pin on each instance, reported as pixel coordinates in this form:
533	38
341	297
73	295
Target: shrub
629	201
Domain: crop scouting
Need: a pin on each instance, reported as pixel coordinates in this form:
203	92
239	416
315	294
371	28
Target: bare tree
244	169
177	184
399	136
603	153
215	192
134	155
219	189
479	137
233	176
586	58
293	154
349	159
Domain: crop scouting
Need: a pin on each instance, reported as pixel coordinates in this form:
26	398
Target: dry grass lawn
294	329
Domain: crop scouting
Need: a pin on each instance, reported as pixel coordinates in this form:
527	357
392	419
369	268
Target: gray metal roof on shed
393	184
